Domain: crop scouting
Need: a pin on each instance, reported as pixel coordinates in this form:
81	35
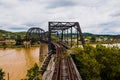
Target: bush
100	63
2	74
31	73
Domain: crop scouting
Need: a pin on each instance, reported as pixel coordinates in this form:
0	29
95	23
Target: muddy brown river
17	61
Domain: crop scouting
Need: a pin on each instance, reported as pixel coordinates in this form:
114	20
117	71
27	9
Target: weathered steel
35	34
57	29
65	26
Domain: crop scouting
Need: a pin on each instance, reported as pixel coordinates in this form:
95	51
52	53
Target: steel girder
35	34
61	29
62	26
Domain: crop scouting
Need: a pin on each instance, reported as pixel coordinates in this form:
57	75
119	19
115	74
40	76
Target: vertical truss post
67	36
49	37
80	32
71	36
62	36
77	38
58	35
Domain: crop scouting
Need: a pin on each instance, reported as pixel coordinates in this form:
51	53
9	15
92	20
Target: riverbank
17	46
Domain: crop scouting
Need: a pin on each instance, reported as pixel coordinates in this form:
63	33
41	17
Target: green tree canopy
31	73
100	63
2	74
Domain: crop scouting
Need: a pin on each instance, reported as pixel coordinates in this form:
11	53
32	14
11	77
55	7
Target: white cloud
90	13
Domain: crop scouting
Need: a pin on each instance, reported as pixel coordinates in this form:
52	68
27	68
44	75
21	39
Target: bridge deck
61	66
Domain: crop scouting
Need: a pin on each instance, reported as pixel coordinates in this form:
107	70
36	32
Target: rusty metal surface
64	31
64	69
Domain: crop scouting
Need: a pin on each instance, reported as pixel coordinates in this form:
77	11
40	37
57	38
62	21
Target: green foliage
98	63
31	73
19	40
11	35
2	74
93	39
111	60
54	38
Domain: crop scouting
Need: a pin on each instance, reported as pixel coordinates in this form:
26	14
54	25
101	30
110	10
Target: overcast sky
94	16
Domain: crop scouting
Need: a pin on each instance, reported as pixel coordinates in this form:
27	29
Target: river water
17	61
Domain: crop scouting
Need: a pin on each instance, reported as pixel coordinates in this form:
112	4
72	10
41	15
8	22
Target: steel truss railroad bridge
64	31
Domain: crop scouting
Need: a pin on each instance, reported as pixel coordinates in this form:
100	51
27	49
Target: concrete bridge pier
43	50
27	44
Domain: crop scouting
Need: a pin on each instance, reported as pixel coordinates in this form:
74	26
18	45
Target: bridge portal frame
62	26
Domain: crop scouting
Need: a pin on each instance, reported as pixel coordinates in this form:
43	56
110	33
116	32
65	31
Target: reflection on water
17	61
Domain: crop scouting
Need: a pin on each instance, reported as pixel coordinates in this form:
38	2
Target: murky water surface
17	61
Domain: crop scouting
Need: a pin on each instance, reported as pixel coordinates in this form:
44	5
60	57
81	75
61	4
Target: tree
31	73
4	45
100	63
93	39
2	74
19	40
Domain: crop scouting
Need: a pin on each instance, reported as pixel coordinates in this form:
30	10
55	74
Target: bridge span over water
59	37
65	32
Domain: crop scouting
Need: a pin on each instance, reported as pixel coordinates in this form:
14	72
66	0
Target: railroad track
71	70
64	69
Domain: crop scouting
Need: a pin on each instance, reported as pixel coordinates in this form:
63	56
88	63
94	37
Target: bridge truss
35	34
66	32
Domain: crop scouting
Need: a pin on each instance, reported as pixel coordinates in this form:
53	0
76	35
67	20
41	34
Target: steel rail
58	75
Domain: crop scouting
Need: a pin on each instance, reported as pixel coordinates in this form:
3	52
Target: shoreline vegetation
16	46
97	63
37	45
